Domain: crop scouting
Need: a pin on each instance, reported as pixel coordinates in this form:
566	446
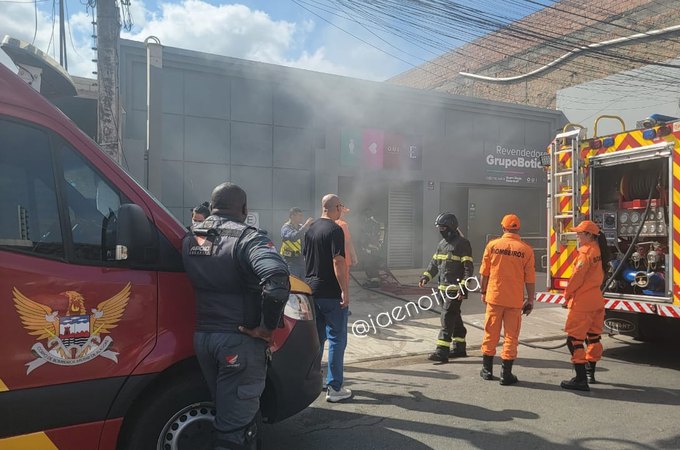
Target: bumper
294	377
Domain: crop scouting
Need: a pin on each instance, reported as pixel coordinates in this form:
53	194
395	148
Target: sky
294	33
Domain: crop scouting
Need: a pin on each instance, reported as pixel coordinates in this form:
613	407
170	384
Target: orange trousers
584	327
510	319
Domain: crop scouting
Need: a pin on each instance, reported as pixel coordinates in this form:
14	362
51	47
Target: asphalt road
406	403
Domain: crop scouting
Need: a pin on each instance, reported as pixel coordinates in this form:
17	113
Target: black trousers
453	328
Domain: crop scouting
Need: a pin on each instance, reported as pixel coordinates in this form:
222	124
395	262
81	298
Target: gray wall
277	132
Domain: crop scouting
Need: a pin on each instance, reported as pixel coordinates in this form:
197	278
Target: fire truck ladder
565	182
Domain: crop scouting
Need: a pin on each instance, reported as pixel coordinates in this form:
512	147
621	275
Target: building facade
542	37
289	136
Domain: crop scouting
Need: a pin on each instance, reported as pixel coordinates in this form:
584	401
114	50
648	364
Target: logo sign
619	325
76	337
507	164
253	219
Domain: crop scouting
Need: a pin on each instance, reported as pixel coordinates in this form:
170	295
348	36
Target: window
91	204
29	216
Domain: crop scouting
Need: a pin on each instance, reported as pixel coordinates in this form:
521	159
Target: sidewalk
373	334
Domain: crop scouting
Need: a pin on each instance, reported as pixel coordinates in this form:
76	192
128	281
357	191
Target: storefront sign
377	149
351	147
508	164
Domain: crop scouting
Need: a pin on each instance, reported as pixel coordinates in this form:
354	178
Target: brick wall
507	53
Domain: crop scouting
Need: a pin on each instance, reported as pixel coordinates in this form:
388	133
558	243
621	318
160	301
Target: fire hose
436	311
631	247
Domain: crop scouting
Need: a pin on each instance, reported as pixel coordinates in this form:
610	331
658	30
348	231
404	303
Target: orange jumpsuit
508	263
586	305
348	244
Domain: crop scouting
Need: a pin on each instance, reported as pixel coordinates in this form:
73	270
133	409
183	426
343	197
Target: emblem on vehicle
75	338
619	325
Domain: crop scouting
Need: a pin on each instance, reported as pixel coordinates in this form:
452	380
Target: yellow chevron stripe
33	441
676	170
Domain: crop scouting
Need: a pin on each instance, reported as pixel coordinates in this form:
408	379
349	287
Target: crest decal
75	338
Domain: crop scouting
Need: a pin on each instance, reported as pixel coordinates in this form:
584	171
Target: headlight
299	307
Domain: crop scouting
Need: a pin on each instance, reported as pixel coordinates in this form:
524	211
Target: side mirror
130	236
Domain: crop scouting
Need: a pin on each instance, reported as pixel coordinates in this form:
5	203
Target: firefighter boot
579	382
590	372
440	354
507	378
458	350
487	367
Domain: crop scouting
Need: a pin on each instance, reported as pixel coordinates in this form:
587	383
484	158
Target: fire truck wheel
176	416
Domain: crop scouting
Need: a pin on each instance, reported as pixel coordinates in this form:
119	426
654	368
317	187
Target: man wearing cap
507	269
585	319
452	263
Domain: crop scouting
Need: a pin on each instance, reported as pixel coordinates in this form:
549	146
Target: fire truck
629	184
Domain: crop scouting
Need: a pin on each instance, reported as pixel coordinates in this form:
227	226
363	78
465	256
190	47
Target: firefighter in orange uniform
507	268
585	319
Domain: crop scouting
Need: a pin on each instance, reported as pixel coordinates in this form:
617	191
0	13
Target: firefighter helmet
447	220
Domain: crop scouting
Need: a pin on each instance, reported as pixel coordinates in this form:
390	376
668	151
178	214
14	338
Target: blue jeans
331	323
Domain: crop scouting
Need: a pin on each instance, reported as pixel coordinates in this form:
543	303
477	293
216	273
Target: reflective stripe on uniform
466	258
291	248
428	275
458	339
445	257
443	287
443	343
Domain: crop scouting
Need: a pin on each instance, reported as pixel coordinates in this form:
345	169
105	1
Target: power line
428	20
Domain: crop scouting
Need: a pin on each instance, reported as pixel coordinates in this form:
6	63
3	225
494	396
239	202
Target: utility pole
63	61
108	110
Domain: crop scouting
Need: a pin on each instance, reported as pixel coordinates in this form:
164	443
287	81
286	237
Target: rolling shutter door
400	227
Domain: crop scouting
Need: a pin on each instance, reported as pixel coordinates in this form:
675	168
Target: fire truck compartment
620	188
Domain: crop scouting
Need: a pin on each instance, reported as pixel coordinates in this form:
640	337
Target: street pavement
408	403
374	334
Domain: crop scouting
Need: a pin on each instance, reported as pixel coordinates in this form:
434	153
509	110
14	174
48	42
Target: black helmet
447	220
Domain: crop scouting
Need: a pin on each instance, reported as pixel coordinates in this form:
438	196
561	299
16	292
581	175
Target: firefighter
507	268
452	263
585	318
372	239
292	234
241	285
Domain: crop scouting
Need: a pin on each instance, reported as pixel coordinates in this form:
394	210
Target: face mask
448	234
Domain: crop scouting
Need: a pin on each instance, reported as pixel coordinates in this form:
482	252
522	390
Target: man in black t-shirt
324	252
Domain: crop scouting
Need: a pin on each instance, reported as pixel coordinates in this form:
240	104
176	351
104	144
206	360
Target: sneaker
335	396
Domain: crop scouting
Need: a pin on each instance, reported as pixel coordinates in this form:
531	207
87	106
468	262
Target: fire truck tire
177	414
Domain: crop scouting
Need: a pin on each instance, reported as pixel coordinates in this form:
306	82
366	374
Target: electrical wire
68	27
429	22
54	13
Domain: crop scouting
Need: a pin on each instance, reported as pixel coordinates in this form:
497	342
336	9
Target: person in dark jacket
241	285
452	264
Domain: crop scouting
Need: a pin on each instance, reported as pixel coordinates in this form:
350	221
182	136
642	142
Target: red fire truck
96	314
629	184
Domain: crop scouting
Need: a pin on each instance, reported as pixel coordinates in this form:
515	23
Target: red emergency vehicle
629	184
96	314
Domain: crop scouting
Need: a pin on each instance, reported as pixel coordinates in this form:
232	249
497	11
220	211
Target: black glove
527	307
423	280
